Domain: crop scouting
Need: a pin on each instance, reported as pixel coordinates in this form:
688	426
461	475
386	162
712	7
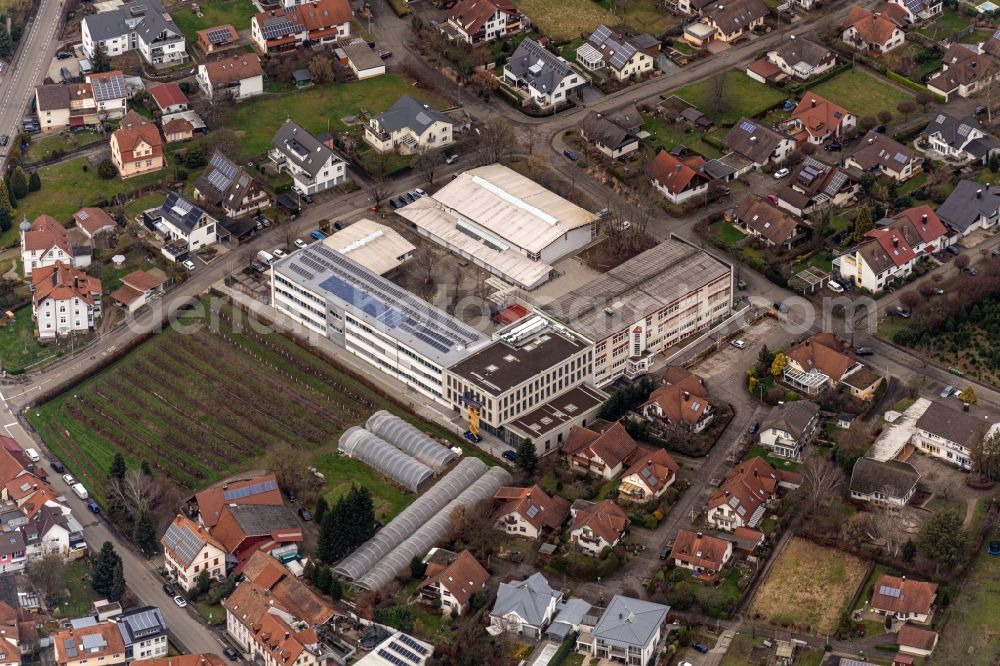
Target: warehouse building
378	248
381	323
645	305
508	224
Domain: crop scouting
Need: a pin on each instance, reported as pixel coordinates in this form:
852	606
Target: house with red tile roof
287	28
870	31
741	500
454	582
529	512
245	529
208	503
602	454
882	155
481	21
218	38
597	526
93	221
98	643
758	217
236	77
904	598
139	288
703	554
916	641
169	98
284	589
64	300
818	119
682	402
678	179
45	242
137	149
648	477
820	362
188	550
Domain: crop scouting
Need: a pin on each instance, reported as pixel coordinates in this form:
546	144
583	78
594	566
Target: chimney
895	242
225	486
687	395
814	102
979	193
923	219
700	535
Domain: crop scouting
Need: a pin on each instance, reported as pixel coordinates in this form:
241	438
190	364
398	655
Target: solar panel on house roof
218	36
602	33
277	26
532	511
69	645
113	88
900	157
182	541
963	129
391	658
887	591
413	643
748	126
254	489
94	642
407	654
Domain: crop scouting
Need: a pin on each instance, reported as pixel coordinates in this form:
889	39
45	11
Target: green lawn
670	136
912	184
772	460
341	472
19	347
76	581
862	94
729	235
214	12
741	96
971	634
566	19
57	144
320	109
821	261
643	16
947	25
145	202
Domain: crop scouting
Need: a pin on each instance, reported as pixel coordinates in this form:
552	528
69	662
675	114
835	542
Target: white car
419	192
301	244
188	264
781	173
279	253
69	479
835	287
739	344
180	601
32	455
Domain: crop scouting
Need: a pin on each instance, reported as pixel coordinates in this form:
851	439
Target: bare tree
136	492
45	573
424	266
821	483
475	528
378	184
496	141
885	524
718	92
427	164
986	455
321	69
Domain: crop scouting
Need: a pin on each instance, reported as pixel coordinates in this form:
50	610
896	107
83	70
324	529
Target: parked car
393	204
947	391
864	351
835	287
169	589
700	647
32	455
781	307
4	139
971	270
903	312
773	198
834	147
80	491
292	497
509	455
419	192
63	55
954	249
338	225
451	158
664	553
180	601
385	55
408	197
781	173
754	427
230	653
880	129
571	154
57	467
739	344
188	264
317	235
980	110
65	74
279	253
304	514
94	507
69	479
301	244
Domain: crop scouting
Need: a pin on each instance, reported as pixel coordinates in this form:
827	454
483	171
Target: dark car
954	249
4	139
880	129
338	225
781	307
94	506
65	74
378	525
864	351
665	553
971	270
169	589
63	55
754	427
307	198
305	515
292	497
980	110
835	147
571	154
385	55
232	654
57	467
393	203
509	455
700	647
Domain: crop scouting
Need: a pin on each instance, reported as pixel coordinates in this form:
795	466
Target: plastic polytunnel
408	439
433	532
384	458
411	518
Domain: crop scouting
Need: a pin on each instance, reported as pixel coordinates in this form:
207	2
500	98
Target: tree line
345	525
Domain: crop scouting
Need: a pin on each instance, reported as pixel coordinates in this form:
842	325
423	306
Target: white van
265	258
80	491
32	455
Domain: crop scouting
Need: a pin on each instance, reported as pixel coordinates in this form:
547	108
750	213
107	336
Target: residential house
703	554
287	28
882	155
802	58
682	402
287	591
678	180
890	482
607	50
180	220
395	647
571	614
746	541
889	252
169	98
277	643
244	529
731	21
209	503
765	71
177	130
64	300
951	434
51	528
100	97
628	632
817	119
916	641
603	454
144	633
312	164
960	139
409	126
965	70
616	133
218	38
529	512
789	427
820	362
814	185
143	26
87	641
188	550
597	526
649	477
524	607
236	77
93	221
480	21
904	598
920	10
543	78
870	31
759	218
46	242
970	206
360	58
231	188
17	634
741	500
454	582
138	288
759	143
13	556
137	150
690	7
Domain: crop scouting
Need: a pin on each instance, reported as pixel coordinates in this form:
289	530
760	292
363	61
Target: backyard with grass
669	136
217	12
971	634
862	94
320	109
740	96
563	20
946	25
19	347
54	145
640	15
78	597
807	587
266	394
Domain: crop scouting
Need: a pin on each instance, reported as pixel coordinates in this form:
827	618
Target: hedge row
796	88
400	8
913	85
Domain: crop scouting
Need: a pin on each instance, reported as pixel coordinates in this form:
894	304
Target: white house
524	607
239	77
481	21
950	434
649	477
143	26
180	220
961	139
883	155
820	119
608	50
970	206
144	632
289	27
312	164
45	242
676	179
871	31
703	554
628	632
920	10
904	598
188	550
529	512
454	581
802	58
409	126
64	300
597	526
787	428
890	482
542	77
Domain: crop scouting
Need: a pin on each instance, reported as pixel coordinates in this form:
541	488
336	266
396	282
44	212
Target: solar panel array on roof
409	655
602	33
412	643
887	591
247	491
69	645
94	642
144	623
276	27
748	126
900	157
112	88
836	182
218	36
391	658
532	511
183	542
